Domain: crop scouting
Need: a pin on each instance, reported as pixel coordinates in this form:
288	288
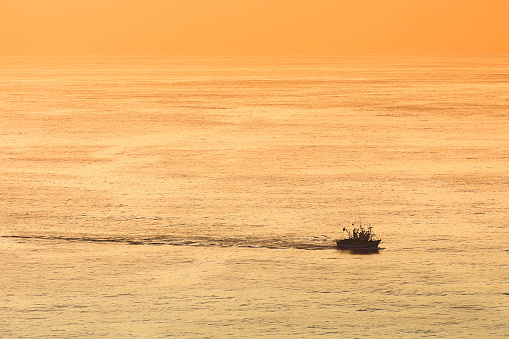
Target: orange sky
309	27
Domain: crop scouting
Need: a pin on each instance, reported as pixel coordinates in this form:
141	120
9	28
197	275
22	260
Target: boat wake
312	243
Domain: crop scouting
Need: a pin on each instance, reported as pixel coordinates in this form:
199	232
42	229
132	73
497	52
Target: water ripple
269	243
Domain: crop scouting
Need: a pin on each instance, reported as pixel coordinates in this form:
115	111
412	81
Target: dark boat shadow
361	251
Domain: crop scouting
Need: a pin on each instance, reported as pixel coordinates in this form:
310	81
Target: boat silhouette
359	238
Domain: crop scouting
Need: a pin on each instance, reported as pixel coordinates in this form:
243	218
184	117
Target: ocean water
200	197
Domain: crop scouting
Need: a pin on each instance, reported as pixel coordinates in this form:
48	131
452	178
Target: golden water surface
233	176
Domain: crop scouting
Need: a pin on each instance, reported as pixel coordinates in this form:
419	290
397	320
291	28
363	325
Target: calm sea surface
200	197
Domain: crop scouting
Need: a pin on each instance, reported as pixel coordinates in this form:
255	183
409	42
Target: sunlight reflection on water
245	164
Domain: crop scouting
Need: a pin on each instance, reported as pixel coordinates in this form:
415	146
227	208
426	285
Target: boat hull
349	244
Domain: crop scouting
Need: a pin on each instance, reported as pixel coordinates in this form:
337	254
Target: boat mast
347	231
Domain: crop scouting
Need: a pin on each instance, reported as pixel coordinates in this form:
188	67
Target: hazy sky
313	27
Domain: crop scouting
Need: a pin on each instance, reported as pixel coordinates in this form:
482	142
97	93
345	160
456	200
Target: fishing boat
359	238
